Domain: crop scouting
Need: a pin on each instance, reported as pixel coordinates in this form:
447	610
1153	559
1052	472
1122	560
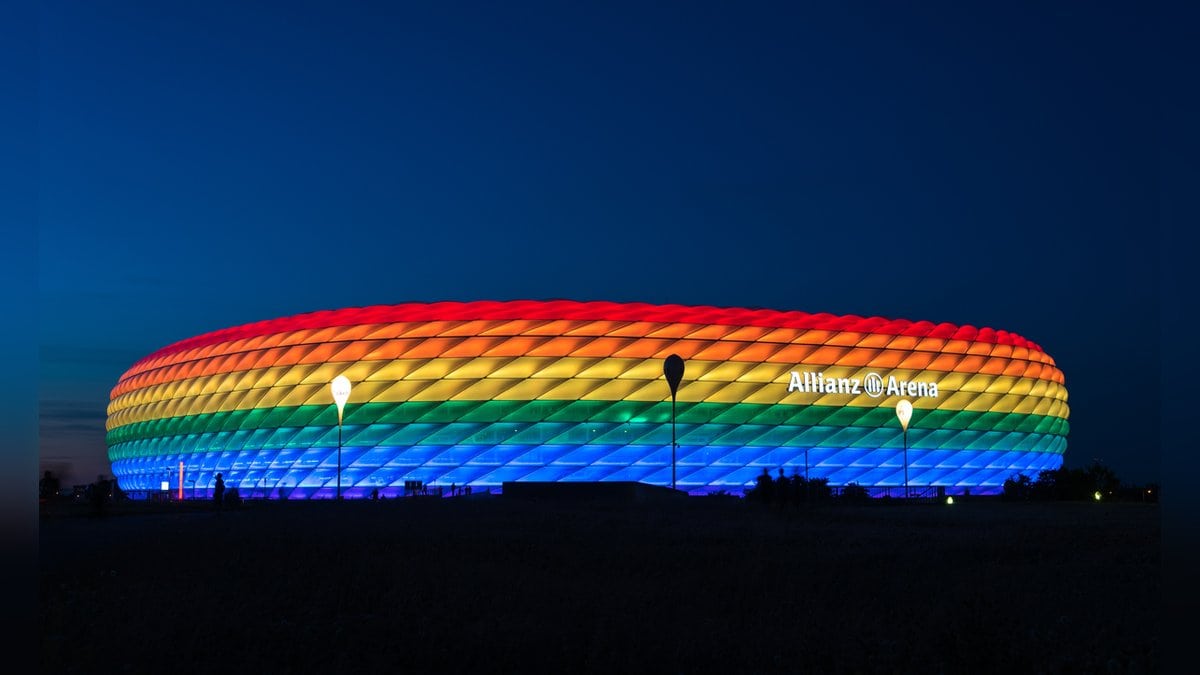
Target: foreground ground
699	585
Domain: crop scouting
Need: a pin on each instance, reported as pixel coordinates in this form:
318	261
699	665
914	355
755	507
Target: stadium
482	393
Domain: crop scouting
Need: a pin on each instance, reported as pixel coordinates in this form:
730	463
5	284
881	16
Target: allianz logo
873	385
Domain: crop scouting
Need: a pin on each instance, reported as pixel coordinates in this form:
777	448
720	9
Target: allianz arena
481	393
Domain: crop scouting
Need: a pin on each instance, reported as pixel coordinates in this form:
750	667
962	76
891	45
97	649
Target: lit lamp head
904	411
341	393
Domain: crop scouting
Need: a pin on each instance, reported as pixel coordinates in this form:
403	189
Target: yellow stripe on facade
557	369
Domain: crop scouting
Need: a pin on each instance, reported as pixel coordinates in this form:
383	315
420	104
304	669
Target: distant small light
1097	495
949	500
165	486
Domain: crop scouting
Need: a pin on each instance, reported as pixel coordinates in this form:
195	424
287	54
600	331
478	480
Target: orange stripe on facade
587	329
445	347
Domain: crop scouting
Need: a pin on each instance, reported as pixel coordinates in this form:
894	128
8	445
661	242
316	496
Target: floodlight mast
340	388
673	369
904	411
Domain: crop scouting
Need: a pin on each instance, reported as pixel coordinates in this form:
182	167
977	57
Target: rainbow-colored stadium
481	393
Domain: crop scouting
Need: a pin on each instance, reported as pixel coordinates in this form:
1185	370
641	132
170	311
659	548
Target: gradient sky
220	163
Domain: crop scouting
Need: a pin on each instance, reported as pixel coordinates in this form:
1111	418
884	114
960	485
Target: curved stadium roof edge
453	310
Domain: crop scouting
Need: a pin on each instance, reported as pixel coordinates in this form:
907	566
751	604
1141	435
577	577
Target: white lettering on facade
873	385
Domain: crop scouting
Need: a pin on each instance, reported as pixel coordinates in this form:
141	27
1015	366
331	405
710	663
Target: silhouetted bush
1063	484
811	490
1102	478
854	493
1018	488
794	491
818	490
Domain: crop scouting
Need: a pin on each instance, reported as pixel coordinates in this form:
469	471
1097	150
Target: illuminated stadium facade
481	393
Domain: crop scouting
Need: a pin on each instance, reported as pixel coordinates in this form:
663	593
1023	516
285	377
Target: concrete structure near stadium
483	393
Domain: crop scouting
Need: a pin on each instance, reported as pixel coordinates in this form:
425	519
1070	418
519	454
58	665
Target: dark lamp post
673	369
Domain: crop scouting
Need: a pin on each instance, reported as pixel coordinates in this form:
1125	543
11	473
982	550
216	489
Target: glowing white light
904	412
949	500
166	486
341	393
1097	495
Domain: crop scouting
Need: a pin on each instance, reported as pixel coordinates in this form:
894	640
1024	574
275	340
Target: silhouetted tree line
1065	484
782	490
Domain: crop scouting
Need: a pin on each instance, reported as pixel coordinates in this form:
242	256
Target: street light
904	412
341	393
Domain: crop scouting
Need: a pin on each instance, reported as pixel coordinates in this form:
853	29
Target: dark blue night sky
211	164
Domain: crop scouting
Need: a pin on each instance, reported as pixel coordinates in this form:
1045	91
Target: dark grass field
705	584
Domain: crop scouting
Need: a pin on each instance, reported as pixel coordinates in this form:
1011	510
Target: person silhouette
763	486
48	486
219	491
